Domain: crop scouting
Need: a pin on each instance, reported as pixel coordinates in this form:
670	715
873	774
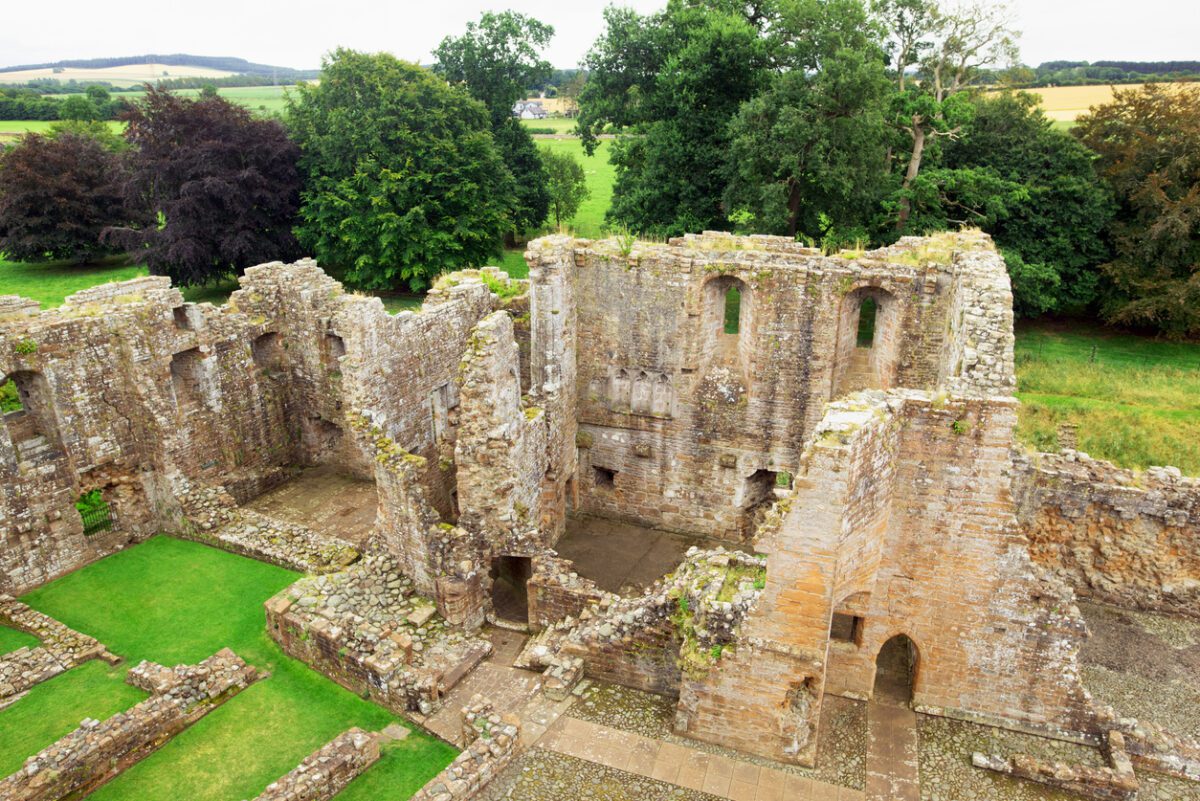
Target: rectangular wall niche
845	628
604	477
189	379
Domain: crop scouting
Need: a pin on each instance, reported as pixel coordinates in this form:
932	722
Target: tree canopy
1148	146
567	185
402	178
57	194
495	59
213	189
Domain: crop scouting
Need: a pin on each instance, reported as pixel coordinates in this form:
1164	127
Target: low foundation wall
492	742
61	649
98	751
325	773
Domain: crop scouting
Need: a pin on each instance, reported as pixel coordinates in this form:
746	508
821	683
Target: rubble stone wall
153	401
98	751
492	742
61	648
1130	539
325	773
996	636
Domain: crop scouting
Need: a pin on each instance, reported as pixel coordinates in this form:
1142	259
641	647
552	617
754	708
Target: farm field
125	75
178	602
560	125
1068	103
258	98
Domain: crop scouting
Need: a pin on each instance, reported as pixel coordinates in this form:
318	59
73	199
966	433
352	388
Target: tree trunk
914	168
793	208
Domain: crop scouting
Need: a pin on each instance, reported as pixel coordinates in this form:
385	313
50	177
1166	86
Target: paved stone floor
622	557
1144	665
326	501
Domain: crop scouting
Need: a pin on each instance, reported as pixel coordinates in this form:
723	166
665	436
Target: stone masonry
325	773
61	649
858	457
99	750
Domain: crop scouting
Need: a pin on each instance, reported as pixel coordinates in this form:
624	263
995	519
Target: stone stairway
858	375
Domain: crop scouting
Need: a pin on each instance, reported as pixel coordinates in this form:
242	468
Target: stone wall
326	772
1130	539
159	404
61	648
683	426
491	742
936	557
98	751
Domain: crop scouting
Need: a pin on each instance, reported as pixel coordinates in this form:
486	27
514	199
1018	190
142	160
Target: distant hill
133	70
219	63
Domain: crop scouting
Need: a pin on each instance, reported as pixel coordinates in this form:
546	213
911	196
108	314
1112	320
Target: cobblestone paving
841	758
1144	665
948	775
541	775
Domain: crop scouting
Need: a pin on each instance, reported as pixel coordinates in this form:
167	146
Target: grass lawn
11	639
173	601
51	282
54	708
1136	400
601	175
560	125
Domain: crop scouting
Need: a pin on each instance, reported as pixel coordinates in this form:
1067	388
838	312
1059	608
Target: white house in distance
529	110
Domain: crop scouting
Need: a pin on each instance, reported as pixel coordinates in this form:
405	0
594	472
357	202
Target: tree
495	60
216	190
98	95
1054	232
957	42
78	107
1148	146
670	83
809	155
57	194
567	184
403	180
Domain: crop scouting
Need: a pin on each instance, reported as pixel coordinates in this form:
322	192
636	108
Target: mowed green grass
179	602
54	709
560	125
1136	400
601	175
11	639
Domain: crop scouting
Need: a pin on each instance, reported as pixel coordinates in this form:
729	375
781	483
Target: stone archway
896	667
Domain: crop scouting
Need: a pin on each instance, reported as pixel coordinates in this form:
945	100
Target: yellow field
128	75
1068	103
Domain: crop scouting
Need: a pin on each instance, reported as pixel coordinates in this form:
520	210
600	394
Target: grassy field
259	98
589	222
560	125
54	708
1136	400
12	639
174	602
1067	103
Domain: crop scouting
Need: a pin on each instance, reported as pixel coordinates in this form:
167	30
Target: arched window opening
866	322
28	414
733	311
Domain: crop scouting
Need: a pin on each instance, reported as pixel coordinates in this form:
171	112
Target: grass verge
11	639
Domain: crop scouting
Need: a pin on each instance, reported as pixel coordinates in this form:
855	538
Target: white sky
297	32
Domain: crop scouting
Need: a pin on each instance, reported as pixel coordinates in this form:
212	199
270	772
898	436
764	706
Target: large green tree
1148	143
495	59
568	184
1054	233
670	83
403	179
808	156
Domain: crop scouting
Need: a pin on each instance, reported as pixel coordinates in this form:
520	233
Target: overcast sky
296	33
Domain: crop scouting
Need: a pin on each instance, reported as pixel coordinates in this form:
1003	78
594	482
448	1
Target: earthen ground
325	500
623	557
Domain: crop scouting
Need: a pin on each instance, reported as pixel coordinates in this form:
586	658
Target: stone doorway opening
896	671
510	593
